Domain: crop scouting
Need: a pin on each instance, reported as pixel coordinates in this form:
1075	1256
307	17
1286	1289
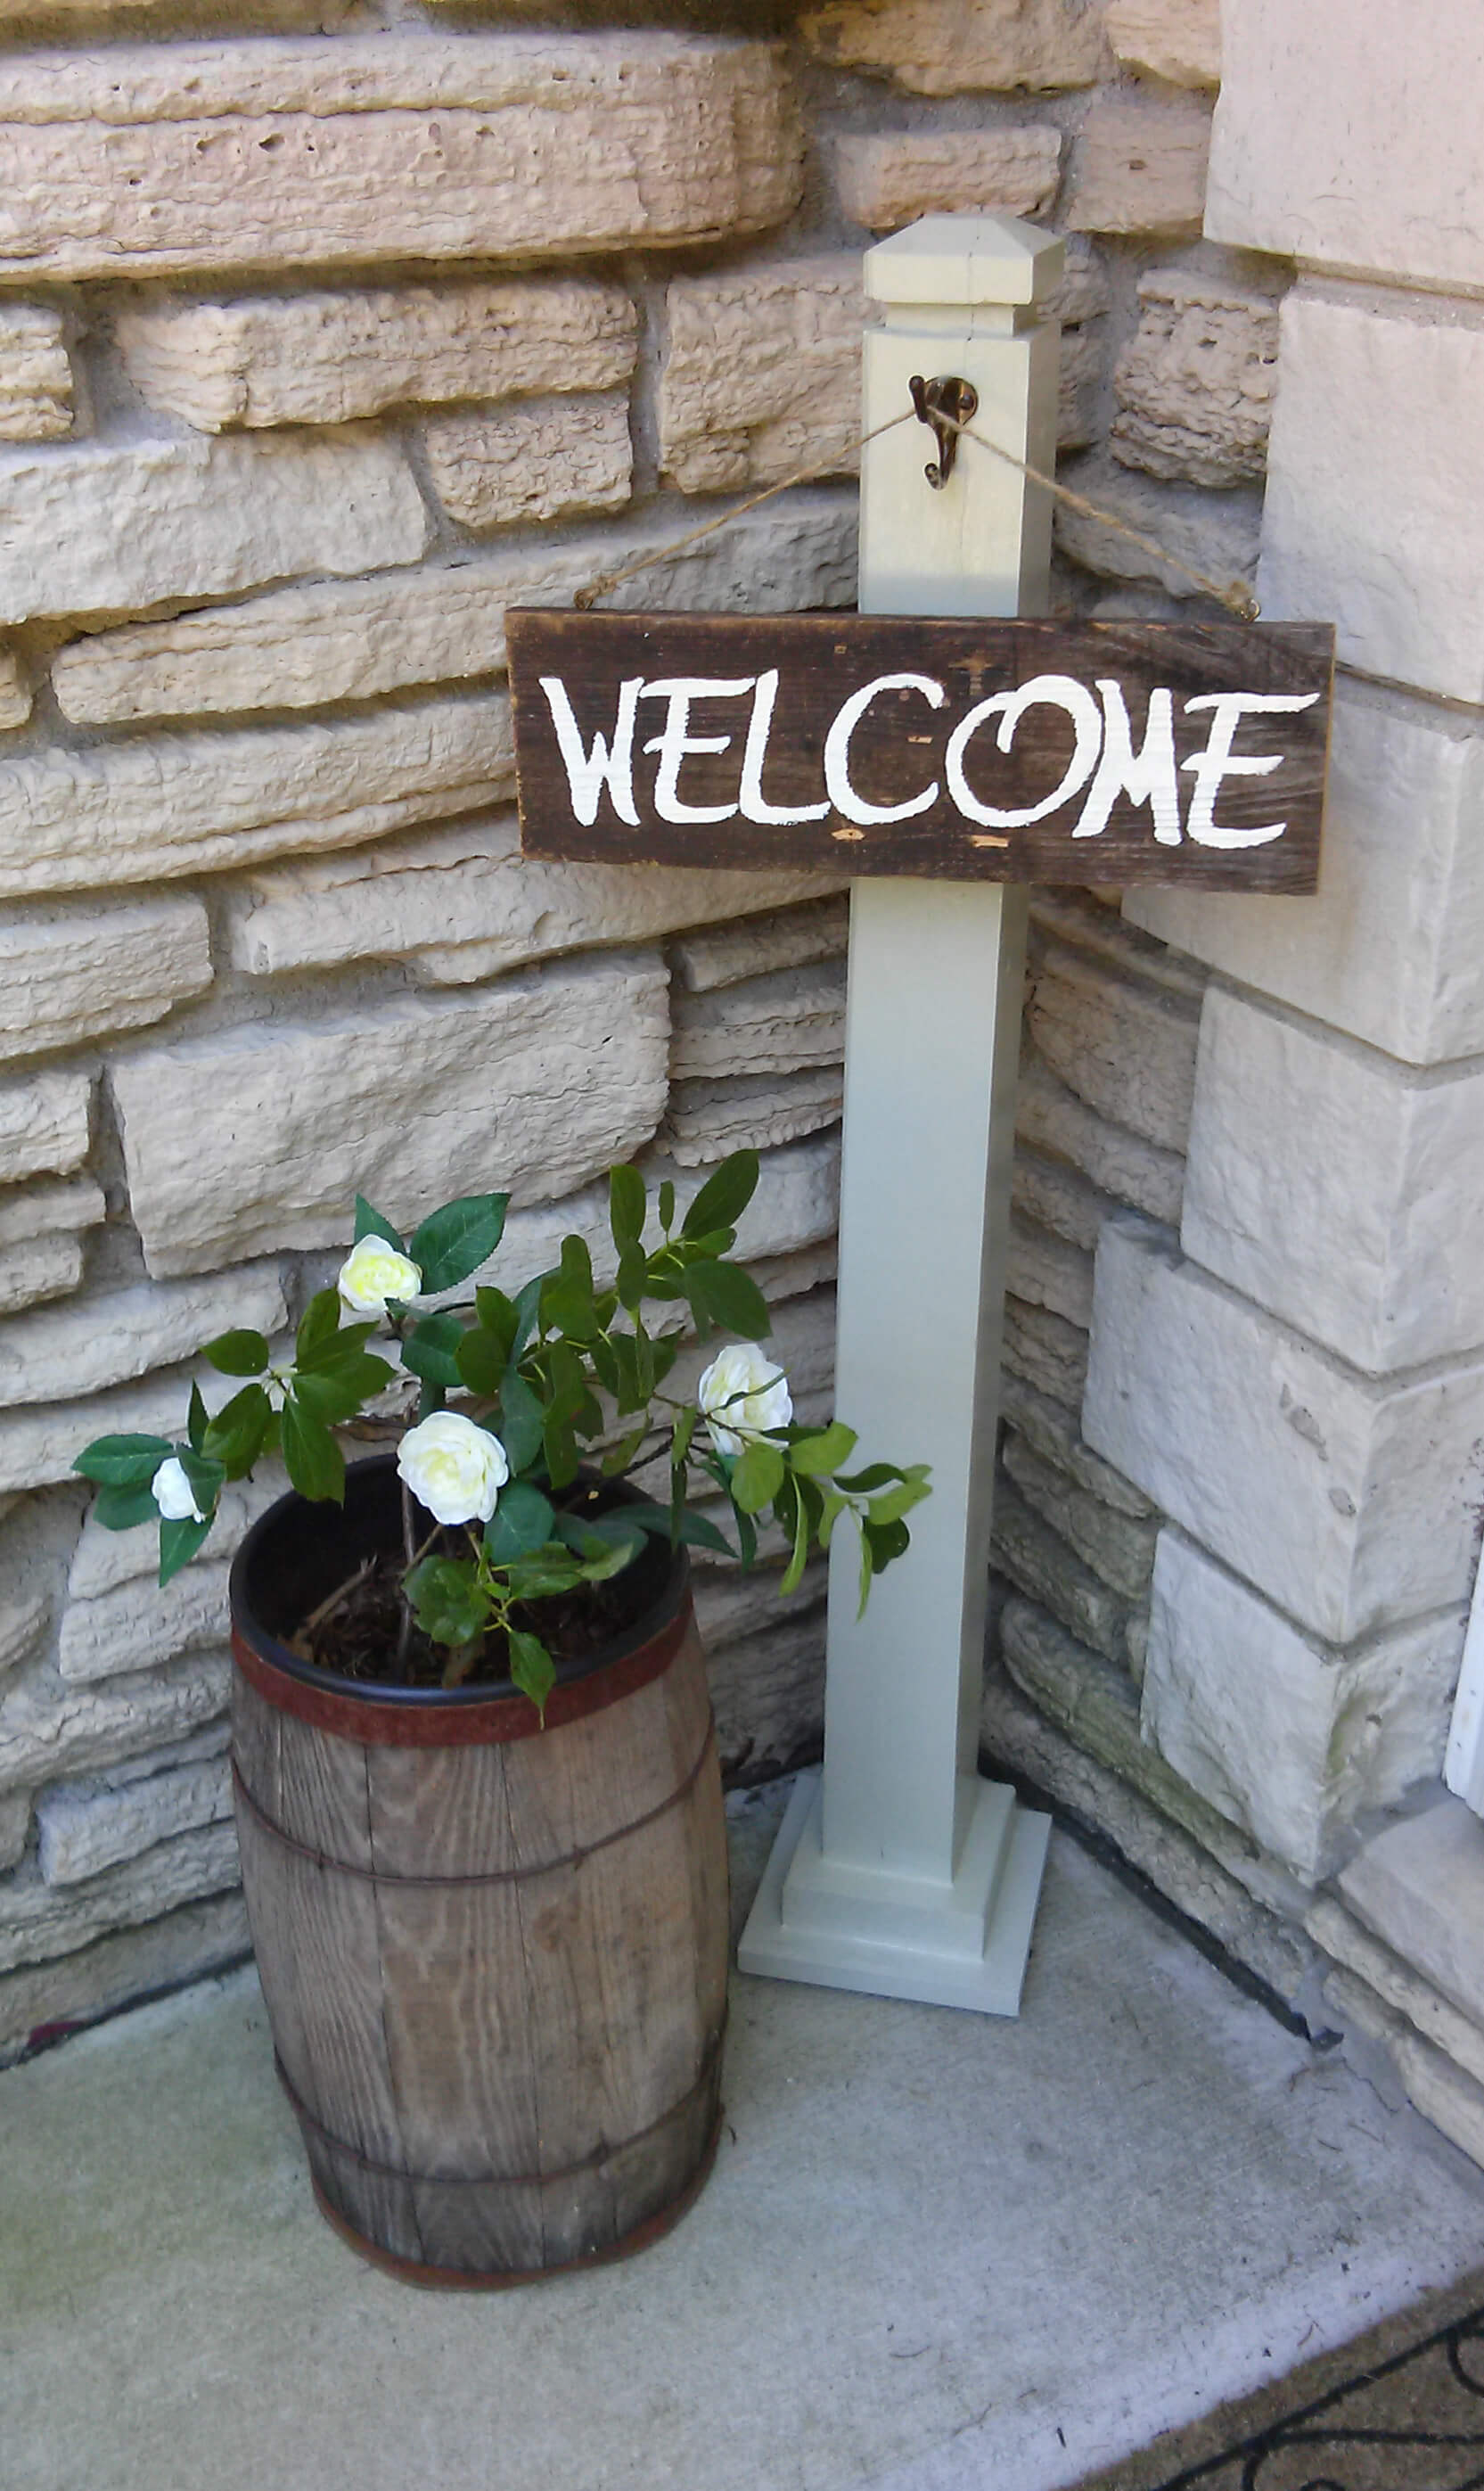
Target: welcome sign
1009	751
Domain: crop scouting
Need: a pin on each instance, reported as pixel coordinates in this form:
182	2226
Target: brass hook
932	401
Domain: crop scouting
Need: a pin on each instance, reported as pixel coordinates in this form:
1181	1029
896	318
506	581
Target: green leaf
206	1475
816	1457
545	1571
333	1348
522	1421
196	1418
566	1298
481	1360
560	1448
626	1206
667	1206
694	1529
372	1223
522	1521
430	1350
607	1535
724	1196
235	1437
447	1600
632	1274
685	1429
123	1461
865	1574
887	1541
238	1353
496	1313
896	1501
723	1292
318	1325
792	1573
328	1399
453	1241
311	1456
120	1509
178	1545
532	1667
528	1303
757	1477
875	1475
832	1508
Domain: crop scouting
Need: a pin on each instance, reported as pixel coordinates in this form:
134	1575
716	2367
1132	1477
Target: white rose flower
174	1494
452	1467
743	1394
374	1271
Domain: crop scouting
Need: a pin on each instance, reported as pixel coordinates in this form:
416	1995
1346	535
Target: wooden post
898	1872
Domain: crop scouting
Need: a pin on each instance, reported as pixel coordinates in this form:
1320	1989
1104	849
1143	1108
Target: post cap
966	259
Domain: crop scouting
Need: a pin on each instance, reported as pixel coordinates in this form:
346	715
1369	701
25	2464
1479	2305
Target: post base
842	1927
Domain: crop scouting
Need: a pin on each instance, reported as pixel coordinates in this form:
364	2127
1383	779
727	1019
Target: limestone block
1177	40
1373	515
1286	1736
1091	924
1118	1547
1118	1162
1218	539
1350	1503
41	1210
707	1120
946	46
341	640
85	1829
1082	290
15	702
888	179
1440	2089
76	1989
63	1352
463	904
1052	1432
1392	948
1195	384
751	946
1123	1045
540	1081
138	1626
43	1125
778	1023
23	1621
48	1730
104	525
149	806
492	467
41	1268
38	1920
327	358
40	1442
66	974
35	375
1336	1189
1053	1196
15	1826
158	159
1397	1986
1140	169
1079	389
1350	138
102	1560
1420	1885
1042	1270
1047	1352
1039	1561
762	374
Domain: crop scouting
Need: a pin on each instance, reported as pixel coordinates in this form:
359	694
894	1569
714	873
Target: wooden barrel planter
494	1956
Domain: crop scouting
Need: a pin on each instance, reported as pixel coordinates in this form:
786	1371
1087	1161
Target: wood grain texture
503	2041
903	745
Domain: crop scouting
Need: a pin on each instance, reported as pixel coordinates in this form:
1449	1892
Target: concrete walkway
938	2251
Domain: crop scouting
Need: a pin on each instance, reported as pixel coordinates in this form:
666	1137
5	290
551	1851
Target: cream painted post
898	1872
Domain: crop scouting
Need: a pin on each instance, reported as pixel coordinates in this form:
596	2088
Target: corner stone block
106	525
1195	384
1349	137
763	372
1420	1885
1374	517
1289	1738
1179	41
1140	167
65	975
1350	1503
887	180
1392	949
1335	1188
313	152
261	1135
954	46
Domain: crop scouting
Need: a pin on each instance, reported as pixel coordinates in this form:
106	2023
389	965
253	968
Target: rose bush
564	1373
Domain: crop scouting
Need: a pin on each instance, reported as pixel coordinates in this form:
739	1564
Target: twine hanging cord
1237	597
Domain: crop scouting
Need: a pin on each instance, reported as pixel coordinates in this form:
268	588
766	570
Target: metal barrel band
593	2161
477	1876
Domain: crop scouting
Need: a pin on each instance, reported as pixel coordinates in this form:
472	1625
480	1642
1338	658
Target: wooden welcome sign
972	750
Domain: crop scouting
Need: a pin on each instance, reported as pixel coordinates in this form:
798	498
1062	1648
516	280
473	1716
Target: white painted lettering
590	772
1148	779
837	779
675	739
1062	692
755	807
1218	762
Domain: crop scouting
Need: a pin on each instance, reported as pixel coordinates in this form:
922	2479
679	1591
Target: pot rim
266	1649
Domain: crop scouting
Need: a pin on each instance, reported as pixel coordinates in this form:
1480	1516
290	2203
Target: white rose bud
174	1494
374	1271
743	1394
452	1467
